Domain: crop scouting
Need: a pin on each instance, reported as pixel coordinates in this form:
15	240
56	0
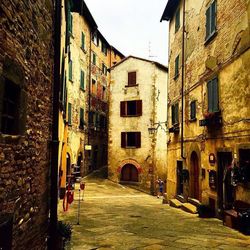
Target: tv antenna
149	51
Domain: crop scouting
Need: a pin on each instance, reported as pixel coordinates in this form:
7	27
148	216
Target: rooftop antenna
149	50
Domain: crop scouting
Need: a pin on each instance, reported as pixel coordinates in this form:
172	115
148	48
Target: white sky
132	26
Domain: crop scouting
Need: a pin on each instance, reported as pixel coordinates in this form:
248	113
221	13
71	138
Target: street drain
135	216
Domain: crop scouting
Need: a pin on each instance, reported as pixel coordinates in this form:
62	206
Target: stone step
188	207
180	198
175	203
194	202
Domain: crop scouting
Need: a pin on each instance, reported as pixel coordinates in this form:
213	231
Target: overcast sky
133	26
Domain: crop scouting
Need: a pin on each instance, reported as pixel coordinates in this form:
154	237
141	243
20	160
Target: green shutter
193	110
69	113
177	66
83	41
94	59
207	22
82	80
81	125
177	20
213	17
70	70
215	95
71	23
210	96
177	113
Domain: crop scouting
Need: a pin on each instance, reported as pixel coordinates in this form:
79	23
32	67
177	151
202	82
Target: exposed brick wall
26	43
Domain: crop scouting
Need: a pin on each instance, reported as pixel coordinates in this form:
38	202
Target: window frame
193	110
82	41
175	114
124	108
177	20
69	114
211	18
82	80
176	66
124	140
132	79
213	105
71	70
81	118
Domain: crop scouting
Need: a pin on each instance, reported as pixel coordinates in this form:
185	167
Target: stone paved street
117	217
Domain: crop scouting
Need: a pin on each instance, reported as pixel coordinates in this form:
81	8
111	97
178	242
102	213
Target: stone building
209	102
137	123
26	77
86	59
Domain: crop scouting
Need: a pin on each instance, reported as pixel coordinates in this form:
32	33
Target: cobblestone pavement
117	217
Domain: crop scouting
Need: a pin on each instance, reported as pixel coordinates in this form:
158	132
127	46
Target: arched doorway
68	164
194	176
129	173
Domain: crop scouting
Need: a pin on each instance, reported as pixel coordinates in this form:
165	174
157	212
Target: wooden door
195	177
129	173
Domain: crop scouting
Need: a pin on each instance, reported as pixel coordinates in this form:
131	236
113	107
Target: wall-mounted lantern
155	126
212	159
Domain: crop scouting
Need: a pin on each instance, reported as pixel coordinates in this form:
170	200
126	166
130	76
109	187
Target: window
193	110
82	80
132	78
104	69
9	107
131	139
175	114
93	87
71	70
103	93
131	108
104	48
81	123
213	95
94	58
176	71
95	39
69	113
83	41
211	20
177	20
70	24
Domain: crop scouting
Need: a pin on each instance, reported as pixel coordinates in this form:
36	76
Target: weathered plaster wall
150	80
26	52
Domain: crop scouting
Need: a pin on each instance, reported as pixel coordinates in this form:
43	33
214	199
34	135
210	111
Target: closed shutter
210	96
123	139
193	110
215	95
71	23
176	113
81	125
177	65
123	109
131	78
213	17
83	41
82	78
207	22
70	70
173	114
138	139
139	107
177	20
69	113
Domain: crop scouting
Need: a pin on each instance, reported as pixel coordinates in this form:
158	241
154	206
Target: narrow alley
113	216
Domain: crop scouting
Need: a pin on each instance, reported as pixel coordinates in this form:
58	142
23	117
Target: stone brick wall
26	51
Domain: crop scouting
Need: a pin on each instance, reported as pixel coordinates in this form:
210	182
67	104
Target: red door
129	173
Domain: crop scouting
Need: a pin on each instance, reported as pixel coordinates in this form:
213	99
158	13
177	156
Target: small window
132	78
211	20
177	20
95	39
71	70
83	41
69	113
103	93
193	110
104	48
9	107
81	123
175	114
213	95
131	108
176	71
82	80
104	69
131	139
94	58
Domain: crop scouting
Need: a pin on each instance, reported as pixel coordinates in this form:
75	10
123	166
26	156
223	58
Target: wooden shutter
138	139
123	109
177	65
131	78
193	110
213	17
176	113
139	107
82	78
83	41
123	139
208	19
177	20
210	96
215	95
173	114
70	70
69	113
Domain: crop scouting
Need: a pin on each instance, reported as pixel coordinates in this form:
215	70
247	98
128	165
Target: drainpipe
55	129
182	84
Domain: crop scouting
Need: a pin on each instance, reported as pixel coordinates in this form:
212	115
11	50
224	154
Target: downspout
55	129
182	84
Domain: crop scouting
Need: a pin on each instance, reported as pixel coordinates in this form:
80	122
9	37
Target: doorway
194	176
68	165
225	189
179	178
129	173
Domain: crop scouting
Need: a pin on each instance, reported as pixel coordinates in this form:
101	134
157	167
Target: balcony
211	119
175	129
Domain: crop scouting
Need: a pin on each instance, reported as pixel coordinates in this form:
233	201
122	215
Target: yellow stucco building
209	101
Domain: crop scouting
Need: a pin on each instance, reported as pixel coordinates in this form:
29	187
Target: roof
81	8
161	66
170	9
117	52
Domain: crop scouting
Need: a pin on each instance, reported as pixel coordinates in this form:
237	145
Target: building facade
208	90
137	123
26	80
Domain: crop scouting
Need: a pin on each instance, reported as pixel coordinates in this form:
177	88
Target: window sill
210	37
131	115
176	76
131	147
84	50
128	86
82	89
8	139
193	120
71	80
